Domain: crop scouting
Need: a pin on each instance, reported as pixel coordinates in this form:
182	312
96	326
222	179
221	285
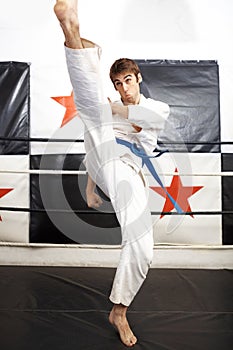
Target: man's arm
150	114
123	112
119	109
93	199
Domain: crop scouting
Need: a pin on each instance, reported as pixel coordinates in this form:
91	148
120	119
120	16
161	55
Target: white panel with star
53	112
14	193
192	193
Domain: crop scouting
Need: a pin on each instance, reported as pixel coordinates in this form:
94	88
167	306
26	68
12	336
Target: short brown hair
123	65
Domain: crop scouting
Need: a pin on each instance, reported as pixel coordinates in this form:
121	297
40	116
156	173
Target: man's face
127	84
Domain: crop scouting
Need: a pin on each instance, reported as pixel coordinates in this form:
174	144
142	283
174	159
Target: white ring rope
84	172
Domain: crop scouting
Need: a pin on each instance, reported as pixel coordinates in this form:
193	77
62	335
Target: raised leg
67	14
86	82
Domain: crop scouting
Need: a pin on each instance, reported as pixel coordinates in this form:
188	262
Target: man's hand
93	200
123	112
119	109
136	127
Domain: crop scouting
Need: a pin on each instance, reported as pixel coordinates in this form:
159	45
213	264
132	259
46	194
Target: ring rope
42	139
93	211
37	139
84	172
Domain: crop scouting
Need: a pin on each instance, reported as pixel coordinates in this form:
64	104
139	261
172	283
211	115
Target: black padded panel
14	107
191	88
68	307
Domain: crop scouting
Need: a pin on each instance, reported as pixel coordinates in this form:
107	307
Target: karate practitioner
110	165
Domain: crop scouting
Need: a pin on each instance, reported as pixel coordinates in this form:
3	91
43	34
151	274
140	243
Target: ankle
119	310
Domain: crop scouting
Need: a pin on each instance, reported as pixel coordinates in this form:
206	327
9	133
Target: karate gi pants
120	181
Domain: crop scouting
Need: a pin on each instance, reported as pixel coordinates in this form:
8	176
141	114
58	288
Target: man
112	166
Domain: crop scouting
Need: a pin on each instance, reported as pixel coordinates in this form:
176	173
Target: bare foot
118	319
67	14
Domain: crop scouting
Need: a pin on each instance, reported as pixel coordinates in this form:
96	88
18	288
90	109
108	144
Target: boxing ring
56	295
54	287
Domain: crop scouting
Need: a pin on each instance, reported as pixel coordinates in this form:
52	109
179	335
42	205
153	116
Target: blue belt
139	152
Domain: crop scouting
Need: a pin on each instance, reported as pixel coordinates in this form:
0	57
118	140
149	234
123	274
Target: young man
113	167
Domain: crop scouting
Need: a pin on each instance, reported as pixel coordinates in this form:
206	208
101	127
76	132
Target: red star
179	192
3	192
68	103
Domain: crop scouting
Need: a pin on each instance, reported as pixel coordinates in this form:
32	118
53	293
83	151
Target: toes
131	342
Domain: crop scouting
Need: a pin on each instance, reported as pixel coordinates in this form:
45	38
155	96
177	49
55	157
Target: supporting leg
130	201
118	319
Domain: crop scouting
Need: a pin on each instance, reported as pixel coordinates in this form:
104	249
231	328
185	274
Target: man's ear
139	78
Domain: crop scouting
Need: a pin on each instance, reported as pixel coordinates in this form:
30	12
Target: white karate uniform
114	168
